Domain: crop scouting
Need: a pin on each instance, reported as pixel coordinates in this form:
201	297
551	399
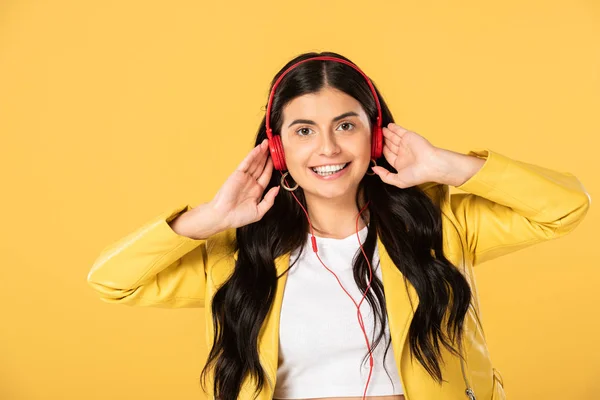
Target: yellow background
113	111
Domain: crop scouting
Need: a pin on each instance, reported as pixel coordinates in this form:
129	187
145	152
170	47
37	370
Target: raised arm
152	266
164	263
511	204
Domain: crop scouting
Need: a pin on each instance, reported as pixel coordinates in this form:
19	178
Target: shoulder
221	255
441	197
437	192
221	244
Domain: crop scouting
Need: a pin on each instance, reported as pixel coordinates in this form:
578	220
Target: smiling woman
331	143
286	312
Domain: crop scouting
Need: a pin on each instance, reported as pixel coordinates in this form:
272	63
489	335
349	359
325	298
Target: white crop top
321	344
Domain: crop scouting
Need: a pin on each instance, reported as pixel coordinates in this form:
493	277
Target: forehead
324	104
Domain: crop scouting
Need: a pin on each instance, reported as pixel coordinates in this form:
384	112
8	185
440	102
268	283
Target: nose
329	145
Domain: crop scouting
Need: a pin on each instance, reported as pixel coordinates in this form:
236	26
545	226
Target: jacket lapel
398	303
268	346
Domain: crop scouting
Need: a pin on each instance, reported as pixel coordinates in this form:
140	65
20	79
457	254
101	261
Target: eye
346	123
301	129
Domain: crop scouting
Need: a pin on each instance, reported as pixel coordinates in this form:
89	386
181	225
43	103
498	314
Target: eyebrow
308	121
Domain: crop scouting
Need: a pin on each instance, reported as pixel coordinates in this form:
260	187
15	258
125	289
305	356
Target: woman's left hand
410	154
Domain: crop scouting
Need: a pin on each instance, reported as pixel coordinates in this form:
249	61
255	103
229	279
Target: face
321	133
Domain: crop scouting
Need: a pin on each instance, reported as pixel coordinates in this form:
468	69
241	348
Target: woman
285	311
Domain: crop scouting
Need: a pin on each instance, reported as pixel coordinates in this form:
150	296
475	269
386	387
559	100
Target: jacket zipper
478	321
468	391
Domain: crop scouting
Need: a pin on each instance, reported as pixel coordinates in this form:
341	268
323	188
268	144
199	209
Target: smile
330	172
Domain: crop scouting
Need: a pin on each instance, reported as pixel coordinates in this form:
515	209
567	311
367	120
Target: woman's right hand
238	201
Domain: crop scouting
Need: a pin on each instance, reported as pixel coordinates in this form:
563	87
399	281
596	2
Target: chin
332	193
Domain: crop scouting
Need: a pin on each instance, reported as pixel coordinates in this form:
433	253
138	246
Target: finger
257	167
384	174
265	177
389	178
391	137
248	160
393	144
397	129
389	155
268	201
258	164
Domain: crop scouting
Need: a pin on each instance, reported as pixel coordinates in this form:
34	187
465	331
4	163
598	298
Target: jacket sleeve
510	205
152	266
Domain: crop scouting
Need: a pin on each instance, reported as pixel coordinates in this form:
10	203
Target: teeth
329	168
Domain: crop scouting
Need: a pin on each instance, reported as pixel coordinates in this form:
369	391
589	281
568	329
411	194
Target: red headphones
276	149
275	145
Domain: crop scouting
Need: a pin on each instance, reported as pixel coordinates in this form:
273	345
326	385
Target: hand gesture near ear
418	161
237	203
410	154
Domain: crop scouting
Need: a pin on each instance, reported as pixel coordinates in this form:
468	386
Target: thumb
267	201
384	174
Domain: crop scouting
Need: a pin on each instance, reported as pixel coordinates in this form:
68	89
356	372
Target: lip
322	165
332	176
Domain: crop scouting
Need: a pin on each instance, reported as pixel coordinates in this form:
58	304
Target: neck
335	218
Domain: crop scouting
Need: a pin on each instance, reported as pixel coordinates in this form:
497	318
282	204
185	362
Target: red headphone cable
359	314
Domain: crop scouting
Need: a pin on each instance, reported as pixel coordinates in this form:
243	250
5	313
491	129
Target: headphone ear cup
276	150
377	143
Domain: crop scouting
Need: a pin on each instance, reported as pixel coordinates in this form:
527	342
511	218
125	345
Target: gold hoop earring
289	189
374	165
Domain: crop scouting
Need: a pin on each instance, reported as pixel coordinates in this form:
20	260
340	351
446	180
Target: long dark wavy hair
407	221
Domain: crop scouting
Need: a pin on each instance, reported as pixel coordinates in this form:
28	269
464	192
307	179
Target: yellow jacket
508	205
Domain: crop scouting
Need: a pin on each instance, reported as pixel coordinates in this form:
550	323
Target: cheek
296	163
296	156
